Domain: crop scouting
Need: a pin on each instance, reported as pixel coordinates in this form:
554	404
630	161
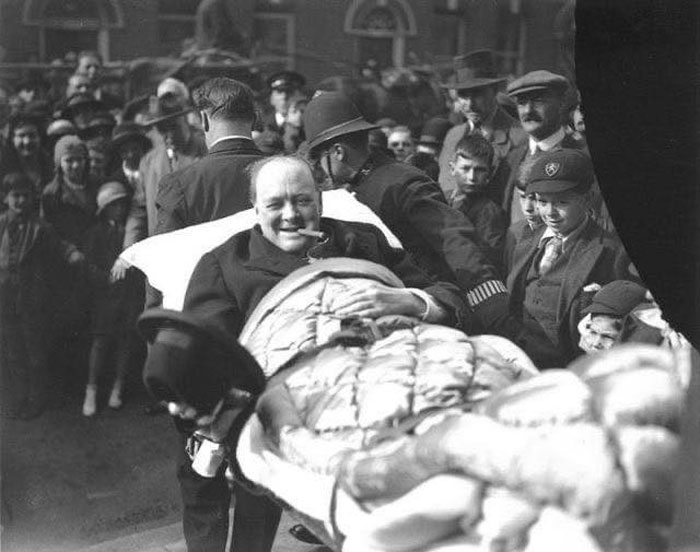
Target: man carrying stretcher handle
229	282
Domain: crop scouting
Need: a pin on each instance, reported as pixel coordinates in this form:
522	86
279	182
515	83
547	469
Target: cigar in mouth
312	233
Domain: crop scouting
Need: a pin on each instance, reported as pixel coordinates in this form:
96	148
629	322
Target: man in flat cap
475	85
539	97
439	239
562	259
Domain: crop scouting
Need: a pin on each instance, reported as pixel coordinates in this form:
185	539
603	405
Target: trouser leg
255	521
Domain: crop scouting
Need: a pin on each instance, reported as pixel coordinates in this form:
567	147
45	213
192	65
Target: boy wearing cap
115	305
570	252
30	252
601	326
539	97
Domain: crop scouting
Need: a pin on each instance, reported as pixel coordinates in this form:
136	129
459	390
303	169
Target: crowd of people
495	203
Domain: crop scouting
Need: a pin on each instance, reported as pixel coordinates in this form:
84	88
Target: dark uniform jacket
550	305
213	187
440	239
229	281
490	223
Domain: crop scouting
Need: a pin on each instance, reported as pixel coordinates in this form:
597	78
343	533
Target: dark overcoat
211	188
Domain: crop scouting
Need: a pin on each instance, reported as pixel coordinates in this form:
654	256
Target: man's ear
338	150
452	168
205	120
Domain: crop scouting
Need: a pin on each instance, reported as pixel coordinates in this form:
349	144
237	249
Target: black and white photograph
349	276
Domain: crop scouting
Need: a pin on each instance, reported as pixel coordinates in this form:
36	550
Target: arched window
73	24
381	22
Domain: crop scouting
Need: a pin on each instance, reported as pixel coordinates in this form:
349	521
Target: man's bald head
273	164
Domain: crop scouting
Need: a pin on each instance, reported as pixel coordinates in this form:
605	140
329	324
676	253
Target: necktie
552	251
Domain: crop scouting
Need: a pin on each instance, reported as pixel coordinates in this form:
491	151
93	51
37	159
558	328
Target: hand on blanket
379	300
119	269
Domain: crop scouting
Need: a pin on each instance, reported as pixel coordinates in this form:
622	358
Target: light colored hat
110	192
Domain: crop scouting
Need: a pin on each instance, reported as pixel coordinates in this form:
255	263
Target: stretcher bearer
440	240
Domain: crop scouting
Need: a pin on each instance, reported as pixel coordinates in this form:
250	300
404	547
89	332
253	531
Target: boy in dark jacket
554	268
115	305
471	169
30	251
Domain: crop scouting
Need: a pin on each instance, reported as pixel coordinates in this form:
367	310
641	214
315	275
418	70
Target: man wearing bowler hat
475	83
539	97
555	266
439	239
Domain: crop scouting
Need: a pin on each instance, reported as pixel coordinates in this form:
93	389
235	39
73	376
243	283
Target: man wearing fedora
539	97
475	83
129	143
180	146
439	239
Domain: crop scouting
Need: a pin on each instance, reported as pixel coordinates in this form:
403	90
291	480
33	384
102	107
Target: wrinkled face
89	66
471	173
287	201
401	143
98	164
19	201
602	332
539	112
528	205
73	167
130	153
562	211
476	104
25	139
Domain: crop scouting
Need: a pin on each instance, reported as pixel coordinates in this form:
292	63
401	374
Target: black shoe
302	534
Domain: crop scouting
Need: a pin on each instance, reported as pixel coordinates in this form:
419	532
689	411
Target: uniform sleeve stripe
484	291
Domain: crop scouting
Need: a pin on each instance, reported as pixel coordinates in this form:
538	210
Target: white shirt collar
549	233
279	118
548	143
230	137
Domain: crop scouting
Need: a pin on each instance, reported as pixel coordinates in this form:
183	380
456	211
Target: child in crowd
521	230
570	252
471	169
115	305
401	142
601	327
30	251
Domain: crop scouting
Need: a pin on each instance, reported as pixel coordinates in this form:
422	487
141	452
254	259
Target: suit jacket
214	187
595	257
440	239
490	224
141	222
229	281
504	133
516	233
512	165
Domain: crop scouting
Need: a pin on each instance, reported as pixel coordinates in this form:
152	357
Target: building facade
316	37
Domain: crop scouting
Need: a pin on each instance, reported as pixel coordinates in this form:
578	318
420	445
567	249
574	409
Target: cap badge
552	168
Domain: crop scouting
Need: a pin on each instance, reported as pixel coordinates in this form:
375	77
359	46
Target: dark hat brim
154	320
536	88
428	142
69	110
120	139
453	84
347	127
599	308
554	186
164	118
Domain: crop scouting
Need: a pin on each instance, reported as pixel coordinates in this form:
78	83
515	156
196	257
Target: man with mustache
539	97
475	87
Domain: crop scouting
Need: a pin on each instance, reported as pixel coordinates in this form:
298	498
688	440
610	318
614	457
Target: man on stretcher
389	433
229	282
